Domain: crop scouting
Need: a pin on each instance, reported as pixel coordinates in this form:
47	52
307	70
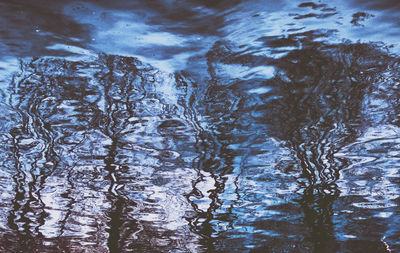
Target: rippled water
200	126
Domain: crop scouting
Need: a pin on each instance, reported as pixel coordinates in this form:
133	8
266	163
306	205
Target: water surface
199	126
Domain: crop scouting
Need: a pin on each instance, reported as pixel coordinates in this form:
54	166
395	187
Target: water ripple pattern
199	126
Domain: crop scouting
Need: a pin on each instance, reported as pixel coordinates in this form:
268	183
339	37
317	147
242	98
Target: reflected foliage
113	155
315	104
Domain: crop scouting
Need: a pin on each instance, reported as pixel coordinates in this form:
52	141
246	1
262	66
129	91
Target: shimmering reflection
91	162
256	127
315	104
113	155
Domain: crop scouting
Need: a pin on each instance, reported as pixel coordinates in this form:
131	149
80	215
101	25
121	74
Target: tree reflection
315	107
114	155
86	150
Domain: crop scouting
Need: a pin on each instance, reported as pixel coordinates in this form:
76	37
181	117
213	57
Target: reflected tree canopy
112	155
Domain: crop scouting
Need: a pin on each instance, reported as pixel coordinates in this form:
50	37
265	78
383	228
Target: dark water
200	126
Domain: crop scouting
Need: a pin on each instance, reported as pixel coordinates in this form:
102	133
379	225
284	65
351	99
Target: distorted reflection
214	132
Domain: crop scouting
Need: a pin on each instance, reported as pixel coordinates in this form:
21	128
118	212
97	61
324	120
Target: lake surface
200	126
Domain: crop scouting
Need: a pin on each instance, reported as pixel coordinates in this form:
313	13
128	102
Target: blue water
200	126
